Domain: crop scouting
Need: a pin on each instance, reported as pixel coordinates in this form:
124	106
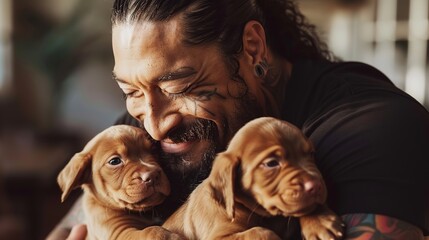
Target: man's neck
278	76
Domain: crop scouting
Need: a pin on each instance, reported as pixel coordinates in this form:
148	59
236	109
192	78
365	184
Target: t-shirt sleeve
373	151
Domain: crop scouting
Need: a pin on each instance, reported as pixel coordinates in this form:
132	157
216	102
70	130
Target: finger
78	232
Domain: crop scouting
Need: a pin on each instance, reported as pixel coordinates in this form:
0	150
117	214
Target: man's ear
222	179
254	42
75	173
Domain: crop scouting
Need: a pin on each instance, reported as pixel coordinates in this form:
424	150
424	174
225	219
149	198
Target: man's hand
71	226
78	232
373	226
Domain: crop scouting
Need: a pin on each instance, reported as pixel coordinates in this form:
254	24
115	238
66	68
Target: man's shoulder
317	87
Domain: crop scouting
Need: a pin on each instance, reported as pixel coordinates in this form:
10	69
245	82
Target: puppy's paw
323	224
159	233
259	233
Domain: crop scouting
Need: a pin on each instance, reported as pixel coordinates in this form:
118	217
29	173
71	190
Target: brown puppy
120	178
268	170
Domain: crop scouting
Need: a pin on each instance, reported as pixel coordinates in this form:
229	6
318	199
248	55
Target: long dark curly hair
288	33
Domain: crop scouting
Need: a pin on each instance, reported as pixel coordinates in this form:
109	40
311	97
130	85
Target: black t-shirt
371	139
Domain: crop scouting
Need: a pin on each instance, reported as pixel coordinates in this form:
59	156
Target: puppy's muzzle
150	178
145	182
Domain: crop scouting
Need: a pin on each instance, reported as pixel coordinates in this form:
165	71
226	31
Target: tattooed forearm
379	227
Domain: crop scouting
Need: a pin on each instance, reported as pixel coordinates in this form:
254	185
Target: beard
186	171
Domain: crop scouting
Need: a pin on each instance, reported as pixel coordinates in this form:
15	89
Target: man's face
185	97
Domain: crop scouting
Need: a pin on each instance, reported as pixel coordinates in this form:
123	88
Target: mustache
199	129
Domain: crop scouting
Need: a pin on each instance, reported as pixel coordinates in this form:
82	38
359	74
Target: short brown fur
117	190
268	170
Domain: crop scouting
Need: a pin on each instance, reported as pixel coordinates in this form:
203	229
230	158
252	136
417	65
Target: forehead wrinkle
154	47
131	33
109	149
160	33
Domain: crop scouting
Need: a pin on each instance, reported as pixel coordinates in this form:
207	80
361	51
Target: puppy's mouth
141	196
301	211
147	202
298	203
282	208
154	199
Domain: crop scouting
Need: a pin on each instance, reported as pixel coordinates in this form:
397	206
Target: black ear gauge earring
260	69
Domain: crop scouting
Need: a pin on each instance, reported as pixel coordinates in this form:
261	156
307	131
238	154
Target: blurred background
56	90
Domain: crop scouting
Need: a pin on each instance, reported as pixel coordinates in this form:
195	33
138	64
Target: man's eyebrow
114	77
177	74
182	72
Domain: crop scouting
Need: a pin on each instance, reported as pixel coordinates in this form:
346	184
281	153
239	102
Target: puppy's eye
115	161
271	163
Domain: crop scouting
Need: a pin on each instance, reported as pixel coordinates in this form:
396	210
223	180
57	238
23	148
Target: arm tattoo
379	227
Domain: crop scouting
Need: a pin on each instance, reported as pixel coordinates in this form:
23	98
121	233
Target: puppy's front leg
322	224
259	233
152	233
157	233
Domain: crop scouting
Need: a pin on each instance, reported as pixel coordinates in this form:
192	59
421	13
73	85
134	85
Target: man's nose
160	117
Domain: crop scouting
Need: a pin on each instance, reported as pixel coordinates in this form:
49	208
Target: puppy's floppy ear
222	180
75	173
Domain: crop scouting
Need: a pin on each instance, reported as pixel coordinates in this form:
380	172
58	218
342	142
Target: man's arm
374	227
73	218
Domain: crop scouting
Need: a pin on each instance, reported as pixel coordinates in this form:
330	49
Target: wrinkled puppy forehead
118	138
265	132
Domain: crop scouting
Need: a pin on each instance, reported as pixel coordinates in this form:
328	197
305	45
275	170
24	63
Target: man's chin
185	172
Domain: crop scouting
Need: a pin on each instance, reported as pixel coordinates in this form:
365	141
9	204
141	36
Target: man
193	72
